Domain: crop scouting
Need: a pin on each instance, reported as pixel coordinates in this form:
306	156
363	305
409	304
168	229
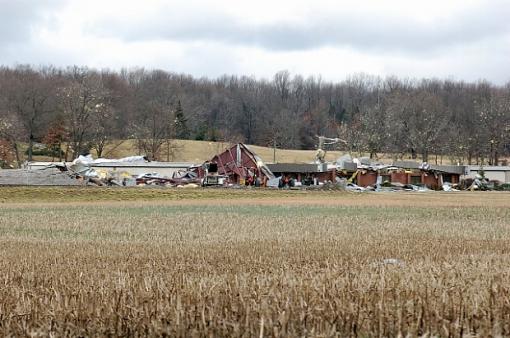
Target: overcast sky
458	39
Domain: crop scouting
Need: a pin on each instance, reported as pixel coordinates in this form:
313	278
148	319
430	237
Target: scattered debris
239	166
449	187
389	262
479	183
355	187
393	261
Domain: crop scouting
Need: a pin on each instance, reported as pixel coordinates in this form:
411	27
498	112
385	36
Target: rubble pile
238	166
99	172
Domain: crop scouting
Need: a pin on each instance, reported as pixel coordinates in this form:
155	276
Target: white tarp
81	165
89	160
274	182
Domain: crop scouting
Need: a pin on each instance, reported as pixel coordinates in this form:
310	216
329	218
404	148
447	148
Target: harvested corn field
201	263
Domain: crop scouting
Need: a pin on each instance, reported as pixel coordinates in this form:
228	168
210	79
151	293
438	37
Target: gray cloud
19	17
385	33
470	42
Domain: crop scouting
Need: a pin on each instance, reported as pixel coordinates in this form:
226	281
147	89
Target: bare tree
102	128
465	121
417	120
494	122
282	85
84	100
11	133
155	120
374	129
29	95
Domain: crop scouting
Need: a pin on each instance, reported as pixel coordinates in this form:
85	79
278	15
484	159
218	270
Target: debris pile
180	179
239	166
401	175
51	176
121	172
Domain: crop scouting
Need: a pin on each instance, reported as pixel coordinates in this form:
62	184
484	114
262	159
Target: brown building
409	172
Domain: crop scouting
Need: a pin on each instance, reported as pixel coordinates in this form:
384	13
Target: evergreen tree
181	129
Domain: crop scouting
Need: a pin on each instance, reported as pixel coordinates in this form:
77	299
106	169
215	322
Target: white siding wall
502	176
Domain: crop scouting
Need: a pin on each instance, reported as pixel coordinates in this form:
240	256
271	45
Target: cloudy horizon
461	40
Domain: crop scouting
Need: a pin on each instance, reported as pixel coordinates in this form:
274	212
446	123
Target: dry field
200	151
153	262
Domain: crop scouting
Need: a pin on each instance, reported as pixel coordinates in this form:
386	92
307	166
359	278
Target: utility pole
274	150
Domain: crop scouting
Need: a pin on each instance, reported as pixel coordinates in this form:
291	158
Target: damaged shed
238	163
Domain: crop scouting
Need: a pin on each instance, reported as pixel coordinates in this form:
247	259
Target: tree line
75	110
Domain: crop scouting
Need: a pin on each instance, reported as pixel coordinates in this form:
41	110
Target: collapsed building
84	170
363	173
238	165
408	173
133	165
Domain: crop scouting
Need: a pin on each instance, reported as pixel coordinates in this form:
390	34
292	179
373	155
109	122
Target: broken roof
451	169
237	157
297	167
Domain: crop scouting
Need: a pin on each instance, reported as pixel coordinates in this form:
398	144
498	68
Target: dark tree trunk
425	156
30	147
16	152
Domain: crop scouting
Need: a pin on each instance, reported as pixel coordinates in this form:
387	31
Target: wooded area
77	109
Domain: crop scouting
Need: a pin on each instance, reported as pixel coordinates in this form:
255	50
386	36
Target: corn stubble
131	270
